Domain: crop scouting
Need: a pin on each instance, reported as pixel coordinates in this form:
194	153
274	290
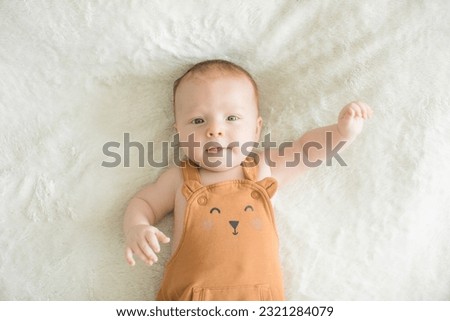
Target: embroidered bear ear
269	184
190	187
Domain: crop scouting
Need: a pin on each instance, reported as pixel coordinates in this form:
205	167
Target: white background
77	74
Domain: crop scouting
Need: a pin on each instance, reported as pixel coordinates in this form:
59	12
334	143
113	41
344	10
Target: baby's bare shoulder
271	166
161	193
171	179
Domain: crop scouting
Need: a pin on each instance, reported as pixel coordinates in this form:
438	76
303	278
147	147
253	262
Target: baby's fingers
162	237
365	109
139	253
153	242
147	252
358	111
129	256
347	113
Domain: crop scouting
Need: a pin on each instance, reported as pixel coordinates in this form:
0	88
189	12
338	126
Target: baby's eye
232	118
197	121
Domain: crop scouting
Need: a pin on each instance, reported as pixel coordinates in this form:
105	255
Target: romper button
202	200
255	195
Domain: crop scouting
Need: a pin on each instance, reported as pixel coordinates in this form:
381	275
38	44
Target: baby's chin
221	163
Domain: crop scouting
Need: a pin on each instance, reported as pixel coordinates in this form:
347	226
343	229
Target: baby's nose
212	133
214	130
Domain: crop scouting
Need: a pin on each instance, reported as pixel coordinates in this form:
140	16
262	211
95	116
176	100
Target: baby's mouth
215	149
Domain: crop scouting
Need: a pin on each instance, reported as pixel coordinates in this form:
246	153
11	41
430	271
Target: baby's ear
269	184
190	187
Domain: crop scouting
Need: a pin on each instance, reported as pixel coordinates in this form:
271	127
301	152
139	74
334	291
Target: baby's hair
216	64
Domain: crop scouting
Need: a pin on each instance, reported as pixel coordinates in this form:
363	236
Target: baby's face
218	111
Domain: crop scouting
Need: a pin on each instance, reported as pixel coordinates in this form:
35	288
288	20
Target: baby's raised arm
319	144
144	211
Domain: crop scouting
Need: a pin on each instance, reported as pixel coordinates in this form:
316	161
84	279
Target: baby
224	244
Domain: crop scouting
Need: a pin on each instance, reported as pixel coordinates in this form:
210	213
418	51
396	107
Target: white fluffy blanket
75	75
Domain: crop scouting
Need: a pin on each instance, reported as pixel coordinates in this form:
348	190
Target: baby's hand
351	119
143	240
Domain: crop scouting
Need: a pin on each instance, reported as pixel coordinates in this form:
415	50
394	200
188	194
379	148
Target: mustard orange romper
229	246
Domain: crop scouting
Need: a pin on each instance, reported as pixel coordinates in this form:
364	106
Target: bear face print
237	210
235	223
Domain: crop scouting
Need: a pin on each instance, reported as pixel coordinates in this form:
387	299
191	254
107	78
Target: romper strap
191	178
190	171
250	168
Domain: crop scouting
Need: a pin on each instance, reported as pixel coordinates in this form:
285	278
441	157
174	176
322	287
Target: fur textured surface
77	74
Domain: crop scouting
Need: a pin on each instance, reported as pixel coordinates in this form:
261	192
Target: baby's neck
209	177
